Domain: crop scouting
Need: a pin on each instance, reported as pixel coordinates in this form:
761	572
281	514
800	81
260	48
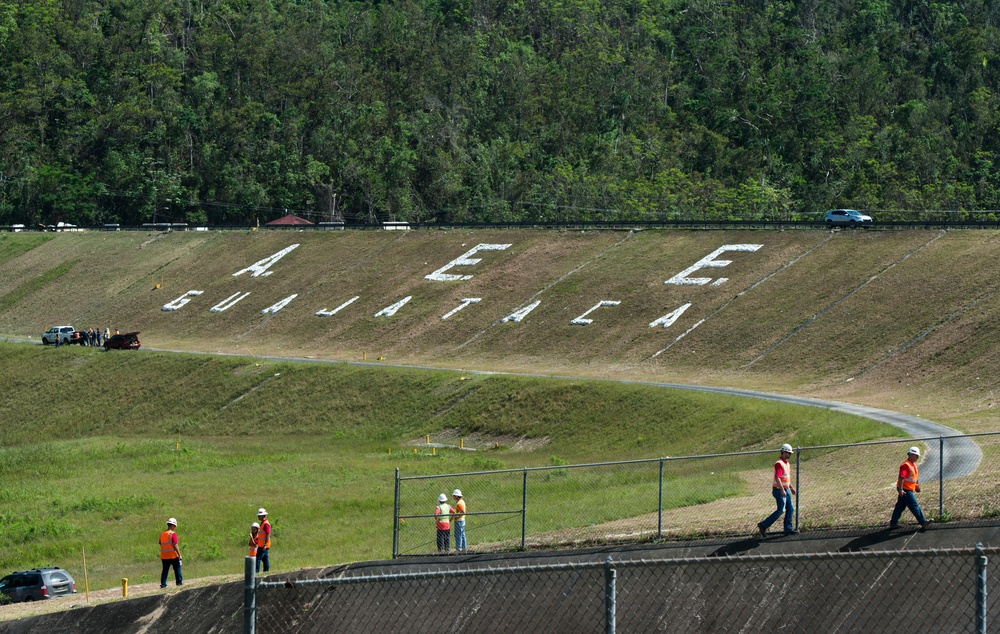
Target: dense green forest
234	111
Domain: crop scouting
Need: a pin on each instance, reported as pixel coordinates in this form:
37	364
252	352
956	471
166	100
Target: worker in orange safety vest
782	490
459	520
254	532
907	484
263	541
170	554
442	517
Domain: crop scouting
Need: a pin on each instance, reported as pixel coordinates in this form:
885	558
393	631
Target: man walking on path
459	520
263	541
907	484
170	555
782	490
442	515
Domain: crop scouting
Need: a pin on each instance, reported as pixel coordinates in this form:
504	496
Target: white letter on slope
276	307
227	303
182	300
669	319
580	321
389	311
465	302
329	313
709	262
518	315
463	260
260	269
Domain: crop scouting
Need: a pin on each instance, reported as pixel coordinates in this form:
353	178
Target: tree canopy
231	111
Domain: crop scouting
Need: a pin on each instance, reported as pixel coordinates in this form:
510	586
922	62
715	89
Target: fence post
798	475
249	595
524	508
980	589
940	478
610	576
395	517
659	506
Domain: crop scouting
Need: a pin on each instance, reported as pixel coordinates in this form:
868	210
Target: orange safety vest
460	510
266	535
785	481
909	483
167	550
253	543
443	512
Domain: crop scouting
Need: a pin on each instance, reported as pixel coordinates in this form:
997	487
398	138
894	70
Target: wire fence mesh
698	496
928	590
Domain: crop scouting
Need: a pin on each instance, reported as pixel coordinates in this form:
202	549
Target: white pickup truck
62	333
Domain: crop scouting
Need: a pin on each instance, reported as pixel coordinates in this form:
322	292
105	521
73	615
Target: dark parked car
125	341
37	584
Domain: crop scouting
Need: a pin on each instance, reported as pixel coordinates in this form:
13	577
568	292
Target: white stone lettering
260	269
389	311
668	320
181	301
582	321
330	313
520	314
709	262
465	302
278	306
227	303
463	260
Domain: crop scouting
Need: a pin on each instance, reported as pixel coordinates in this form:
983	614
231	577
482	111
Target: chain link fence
930	590
698	496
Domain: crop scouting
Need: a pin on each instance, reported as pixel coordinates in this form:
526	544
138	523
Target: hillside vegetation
227	112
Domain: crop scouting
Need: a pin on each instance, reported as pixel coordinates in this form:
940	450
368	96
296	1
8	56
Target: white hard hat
261	511
172	521
255	525
914	450
787	447
457	493
442	498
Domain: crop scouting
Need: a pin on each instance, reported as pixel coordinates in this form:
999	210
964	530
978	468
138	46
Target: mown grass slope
904	320
861	315
100	448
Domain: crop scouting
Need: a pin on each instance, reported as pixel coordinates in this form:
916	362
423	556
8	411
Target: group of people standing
443	514
170	553
907	485
94	337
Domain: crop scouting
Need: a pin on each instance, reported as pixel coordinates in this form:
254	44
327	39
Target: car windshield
5	582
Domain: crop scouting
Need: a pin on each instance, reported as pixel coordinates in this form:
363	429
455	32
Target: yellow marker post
177	447
427	439
86	584
461	443
434	451
124	587
414	450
